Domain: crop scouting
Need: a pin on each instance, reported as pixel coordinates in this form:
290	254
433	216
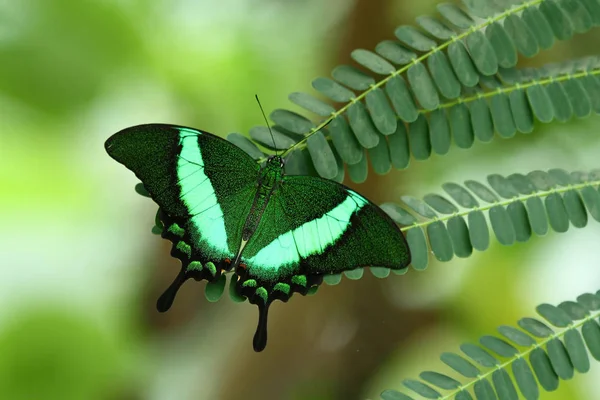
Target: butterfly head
275	162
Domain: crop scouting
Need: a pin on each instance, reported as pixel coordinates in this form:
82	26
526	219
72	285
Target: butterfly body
224	212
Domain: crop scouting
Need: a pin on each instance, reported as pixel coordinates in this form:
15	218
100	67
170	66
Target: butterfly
223	211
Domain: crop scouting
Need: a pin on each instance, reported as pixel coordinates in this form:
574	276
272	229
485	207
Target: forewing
204	186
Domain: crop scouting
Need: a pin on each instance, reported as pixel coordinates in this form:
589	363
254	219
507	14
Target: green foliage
508	366
516	206
454	80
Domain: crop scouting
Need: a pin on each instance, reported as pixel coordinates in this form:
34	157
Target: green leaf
503	45
502	186
463	64
502	115
540	102
291	121
484	390
578	98
522	36
481	119
591	334
455	15
557	213
556	316
394	395
478	231
482	53
322	156
421	388
577	14
537	216
372	61
559	359
525	379
419	142
362	126
434	27
461	126
398	214
352	77
577	351
419	206
440	241
399	148
521	112
560	24
245	144
311	103
401	99
413	38
443	75
440	204
575	310
535	327
344	141
381	112
503	385
521	183
516	336
380	157
394	52
591	199
460	365
520	221
543	369
589	301
479	355
459	233
262	135
440	131
423	86
332	89
481	191
563	110
498	346
440	380
539	26
575	209
358	172
418	248
460	195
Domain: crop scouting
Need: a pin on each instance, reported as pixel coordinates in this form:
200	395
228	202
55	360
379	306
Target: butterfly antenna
267	122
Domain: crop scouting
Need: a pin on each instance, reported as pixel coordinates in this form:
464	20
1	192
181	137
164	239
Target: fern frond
517	207
451	80
537	350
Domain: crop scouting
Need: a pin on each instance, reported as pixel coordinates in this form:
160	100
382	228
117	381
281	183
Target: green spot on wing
195	266
262	293
211	267
184	248
176	230
249	283
282	287
299	280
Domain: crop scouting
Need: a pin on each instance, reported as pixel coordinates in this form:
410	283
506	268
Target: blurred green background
80	271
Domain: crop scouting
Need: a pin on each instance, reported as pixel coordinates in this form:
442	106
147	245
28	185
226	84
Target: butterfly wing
310	228
204	186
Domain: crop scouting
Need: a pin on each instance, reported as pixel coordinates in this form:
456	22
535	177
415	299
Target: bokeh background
80	271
